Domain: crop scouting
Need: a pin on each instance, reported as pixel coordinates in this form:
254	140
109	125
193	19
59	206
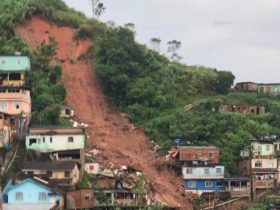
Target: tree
97	7
172	49
224	82
155	43
130	27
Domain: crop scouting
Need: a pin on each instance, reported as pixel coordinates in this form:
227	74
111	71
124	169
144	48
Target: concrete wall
50	143
262	148
265	163
30	192
203	172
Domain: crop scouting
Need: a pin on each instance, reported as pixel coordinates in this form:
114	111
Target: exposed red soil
109	131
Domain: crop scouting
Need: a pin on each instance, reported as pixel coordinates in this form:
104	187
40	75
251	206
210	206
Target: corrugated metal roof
14	63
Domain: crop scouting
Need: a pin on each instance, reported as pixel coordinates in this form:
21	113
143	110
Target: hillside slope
108	131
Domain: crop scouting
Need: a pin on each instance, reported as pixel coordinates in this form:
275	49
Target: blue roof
14	63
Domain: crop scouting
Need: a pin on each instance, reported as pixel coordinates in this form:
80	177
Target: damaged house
61	173
62	143
79	199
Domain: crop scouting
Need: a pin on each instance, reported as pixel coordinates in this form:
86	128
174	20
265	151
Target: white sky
242	36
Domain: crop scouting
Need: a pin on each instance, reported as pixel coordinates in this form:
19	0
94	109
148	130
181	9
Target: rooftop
49	166
14	63
44	130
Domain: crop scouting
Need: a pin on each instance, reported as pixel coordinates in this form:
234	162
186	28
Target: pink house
15	102
15	110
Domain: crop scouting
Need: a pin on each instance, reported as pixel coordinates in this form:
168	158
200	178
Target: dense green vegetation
153	90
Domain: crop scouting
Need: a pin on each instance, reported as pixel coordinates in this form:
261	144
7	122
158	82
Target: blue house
30	194
204	178
204	185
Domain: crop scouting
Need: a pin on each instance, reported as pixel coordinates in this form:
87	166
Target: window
42	196
219	184
258	164
16	105
50	139
44	140
210	154
191	184
188	170
70	139
3	62
91	167
18	61
19	196
14	76
3	105
87	196
67	174
218	170
208	184
267	147
206	170
32	141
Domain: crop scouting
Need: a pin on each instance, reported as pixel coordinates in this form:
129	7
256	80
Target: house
79	199
246	87
208	154
204	178
238	186
269	88
243	109
15	111
92	168
264	172
120	197
30	193
12	70
62	173
261	166
261	148
55	138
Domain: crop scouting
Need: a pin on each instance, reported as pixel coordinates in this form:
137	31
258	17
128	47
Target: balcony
237	192
263	184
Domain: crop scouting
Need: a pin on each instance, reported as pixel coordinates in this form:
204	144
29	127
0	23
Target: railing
237	192
264	183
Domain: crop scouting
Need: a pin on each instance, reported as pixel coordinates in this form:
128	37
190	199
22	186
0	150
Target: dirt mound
111	133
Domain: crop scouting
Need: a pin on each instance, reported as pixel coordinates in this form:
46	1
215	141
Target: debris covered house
79	199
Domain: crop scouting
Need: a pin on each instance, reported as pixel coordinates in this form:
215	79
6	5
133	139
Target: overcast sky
242	36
